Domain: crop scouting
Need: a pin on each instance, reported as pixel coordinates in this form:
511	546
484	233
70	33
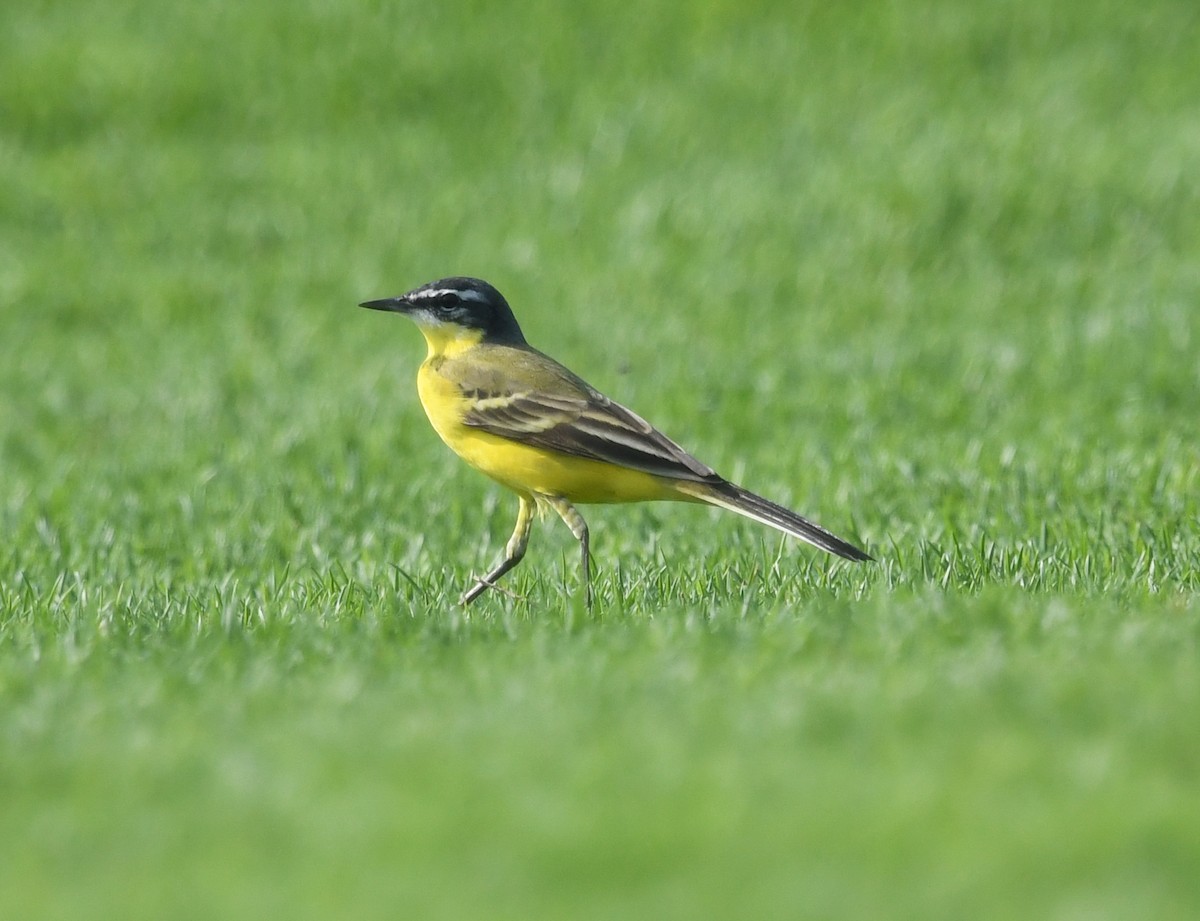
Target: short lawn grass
926	271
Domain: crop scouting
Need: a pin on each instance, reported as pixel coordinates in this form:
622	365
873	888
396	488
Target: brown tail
735	499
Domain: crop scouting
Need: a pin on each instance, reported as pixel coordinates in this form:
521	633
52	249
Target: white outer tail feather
735	499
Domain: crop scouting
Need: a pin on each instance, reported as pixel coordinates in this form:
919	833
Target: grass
925	271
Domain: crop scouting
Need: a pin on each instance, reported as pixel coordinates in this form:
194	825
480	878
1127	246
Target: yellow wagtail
531	425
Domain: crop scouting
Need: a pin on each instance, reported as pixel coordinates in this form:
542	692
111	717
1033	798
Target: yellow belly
528	469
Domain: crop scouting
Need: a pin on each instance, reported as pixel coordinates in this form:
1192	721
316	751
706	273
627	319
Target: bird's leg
574	521
514	550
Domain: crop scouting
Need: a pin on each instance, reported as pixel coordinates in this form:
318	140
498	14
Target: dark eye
446	302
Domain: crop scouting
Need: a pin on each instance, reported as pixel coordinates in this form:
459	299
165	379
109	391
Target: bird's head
456	312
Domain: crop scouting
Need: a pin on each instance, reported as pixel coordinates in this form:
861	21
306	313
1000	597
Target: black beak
394	304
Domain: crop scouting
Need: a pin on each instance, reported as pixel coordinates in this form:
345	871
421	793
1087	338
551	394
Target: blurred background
924	270
861	224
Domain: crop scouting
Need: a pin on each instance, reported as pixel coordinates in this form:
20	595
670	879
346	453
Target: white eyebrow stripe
466	294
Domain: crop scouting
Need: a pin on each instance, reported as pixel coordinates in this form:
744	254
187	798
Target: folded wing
586	425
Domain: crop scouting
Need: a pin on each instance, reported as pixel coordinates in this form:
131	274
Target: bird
533	426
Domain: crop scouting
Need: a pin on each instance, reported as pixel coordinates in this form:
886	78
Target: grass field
926	271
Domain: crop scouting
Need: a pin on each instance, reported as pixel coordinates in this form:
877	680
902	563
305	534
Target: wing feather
587	425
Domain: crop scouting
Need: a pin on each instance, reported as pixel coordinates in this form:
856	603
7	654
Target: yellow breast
524	468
